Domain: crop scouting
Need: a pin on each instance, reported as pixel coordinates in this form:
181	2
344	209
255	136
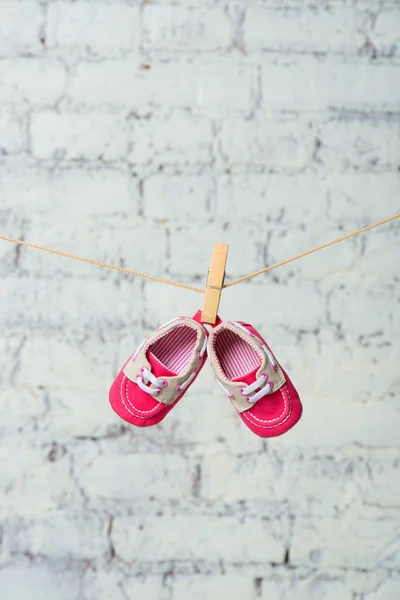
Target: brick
57	355
113	476
37	581
267	144
324	586
12	136
177	27
233	479
370	145
212	87
306	29
224	586
329	85
103	586
163	194
385	33
207	538
389	589
44	305
86	26
307	198
58	535
181	139
38	82
381	491
348	543
77	135
87	83
33	476
89	191
362	310
20	27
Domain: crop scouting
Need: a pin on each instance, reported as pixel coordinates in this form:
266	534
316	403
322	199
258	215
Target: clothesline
190	287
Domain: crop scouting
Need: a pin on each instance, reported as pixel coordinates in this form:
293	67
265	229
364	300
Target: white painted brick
12	136
385	34
106	585
177	197
108	82
207	538
98	28
359	144
176	27
59	356
31	485
78	135
389	589
349	543
212	87
363	310
302	29
125	477
89	191
306	587
24	401
309	198
37	581
59	535
271	197
270	144
44	304
20	27
231	479
381	490
224	586
181	139
31	80
308	85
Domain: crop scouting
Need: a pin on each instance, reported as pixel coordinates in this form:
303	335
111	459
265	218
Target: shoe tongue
157	368
248	378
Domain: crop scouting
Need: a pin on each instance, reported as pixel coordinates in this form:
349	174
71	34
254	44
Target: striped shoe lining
175	349
235	355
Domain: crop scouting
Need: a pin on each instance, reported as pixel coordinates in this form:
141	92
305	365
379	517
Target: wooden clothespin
215	282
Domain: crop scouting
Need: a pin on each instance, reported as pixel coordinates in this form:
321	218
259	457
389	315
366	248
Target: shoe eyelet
164	383
264	374
242	391
159	391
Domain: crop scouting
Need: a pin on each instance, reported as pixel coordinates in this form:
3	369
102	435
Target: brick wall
140	134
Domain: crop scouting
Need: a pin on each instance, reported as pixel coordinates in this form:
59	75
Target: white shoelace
262	383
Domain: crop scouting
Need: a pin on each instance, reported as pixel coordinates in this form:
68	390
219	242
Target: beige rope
191	287
321	247
98	263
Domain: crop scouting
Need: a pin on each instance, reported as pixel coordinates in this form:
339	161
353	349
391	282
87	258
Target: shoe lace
263	385
147	377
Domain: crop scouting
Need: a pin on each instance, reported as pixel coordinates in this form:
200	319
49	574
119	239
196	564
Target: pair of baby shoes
167	362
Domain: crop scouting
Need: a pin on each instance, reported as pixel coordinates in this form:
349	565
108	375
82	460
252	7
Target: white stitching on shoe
247	416
125	379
